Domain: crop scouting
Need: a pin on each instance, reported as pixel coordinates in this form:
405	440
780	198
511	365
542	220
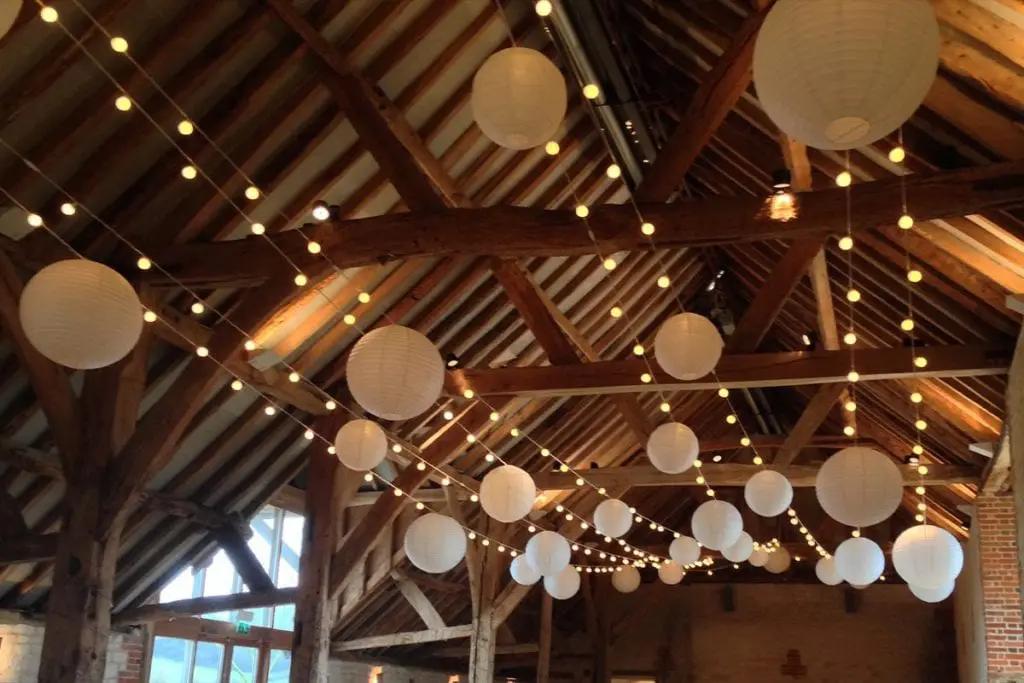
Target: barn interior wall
21	647
970	616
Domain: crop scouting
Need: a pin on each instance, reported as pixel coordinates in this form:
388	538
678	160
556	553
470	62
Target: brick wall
21	647
1000	587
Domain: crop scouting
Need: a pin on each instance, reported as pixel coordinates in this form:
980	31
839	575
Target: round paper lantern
564	584
932	594
688	346
740	550
826	572
778	561
523	572
9	10
839	74
859	561
81	314
612	518
395	372
684	550
626	579
717	524
435	543
672	448
507	493
859	487
670	573
361	445
759	557
519	98
548	552
927	557
768	493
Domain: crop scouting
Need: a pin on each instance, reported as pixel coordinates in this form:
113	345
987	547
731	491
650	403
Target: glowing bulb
852	376
202	351
616	312
397	492
914	275
850	406
123	103
907	325
250	345
745	441
921	425
186	127
68	209
638	350
149	317
474	498
144	263
294	377
258	228
189	172
897	155
698	464
495	416
919	490
918	449
922	470
906	221
514	433
236	385
610	264
330	405
582	211
723	392
853	296
664	282
48	14
349	319
613	171
758	460
446	481
846	243
647	229
731	419
591	91
308	434
919	518
856	533
198	308
118	44
665	407
916	397
543	8
921	362
313	247
922	507
849	339
470	438
468	394
35	220
844	179
849	430
552	148
321	211
301	280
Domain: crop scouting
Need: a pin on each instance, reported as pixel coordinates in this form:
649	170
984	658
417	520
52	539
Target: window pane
180	587
171	660
263	527
209	657
284	617
280	666
243	664
291	548
220	576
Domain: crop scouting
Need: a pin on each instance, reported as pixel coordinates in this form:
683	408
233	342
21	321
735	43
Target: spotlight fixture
810	339
321	211
451	360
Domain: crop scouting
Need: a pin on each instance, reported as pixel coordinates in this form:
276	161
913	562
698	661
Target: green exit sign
242	627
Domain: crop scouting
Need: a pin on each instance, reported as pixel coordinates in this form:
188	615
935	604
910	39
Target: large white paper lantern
927	556
670	573
759	557
626	579
716	524
839	74
612	518
859	487
688	346
395	372
507	493
435	543
768	493
9	10
361	445
519	98
740	550
932	594
684	550
81	314
672	448
564	584
778	561
523	572
859	561
826	571
548	552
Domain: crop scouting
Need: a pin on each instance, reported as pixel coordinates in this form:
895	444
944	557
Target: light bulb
914	275
919	518
921	362
591	91
922	470
849	338
907	325
118	44
258	228
731	419
545	452
616	312
543	8
189	172
665	407
252	193
850	406
647	229
349	319
906	221
919	490
448	415
330	404
495	416
610	264
313	247
582	211
918	449
758	460
723	392
294	377
123	103
48	14
468	393
250	345
856	533
34	220
664	282
849	430
853	296
922	507
321	211
149	317
470	438
552	148
853	376
198	307
844	179
202	351
236	385
613	171
897	155
186	127
921	425
514	433
745	441
638	350
144	263
68	209
645	378
489	457
301	280
308	434
846	243
916	397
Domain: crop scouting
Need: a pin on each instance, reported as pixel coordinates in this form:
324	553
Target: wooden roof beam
403	639
814	415
167	611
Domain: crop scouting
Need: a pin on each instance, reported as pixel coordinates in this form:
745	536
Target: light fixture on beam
781	205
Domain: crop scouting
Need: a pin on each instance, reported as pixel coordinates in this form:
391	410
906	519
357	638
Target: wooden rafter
816	412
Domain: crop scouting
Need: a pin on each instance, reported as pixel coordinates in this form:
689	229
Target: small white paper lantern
839	74
519	98
688	346
768	493
435	543
859	487
932	594
672	448
778	561
564	584
626	579
927	557
548	552
395	372
81	314
716	524
670	573
523	572
759	557
612	518
740	550
9	10
507	493
684	550
826	572
361	445
859	561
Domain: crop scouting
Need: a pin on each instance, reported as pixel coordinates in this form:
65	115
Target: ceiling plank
815	413
418	600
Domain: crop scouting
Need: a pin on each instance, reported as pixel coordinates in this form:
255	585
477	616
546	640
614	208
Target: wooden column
544	640
485	625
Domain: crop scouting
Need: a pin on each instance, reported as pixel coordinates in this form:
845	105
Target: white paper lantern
564	584
507	493
839	74
395	372
684	550
932	594
768	493
361	445
740	550
435	543
81	314
519	98
859	561
548	552
672	448
759	557
626	579
778	561
927	556
523	572
688	346
716	524
670	573
859	487
612	518
9	10
826	572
